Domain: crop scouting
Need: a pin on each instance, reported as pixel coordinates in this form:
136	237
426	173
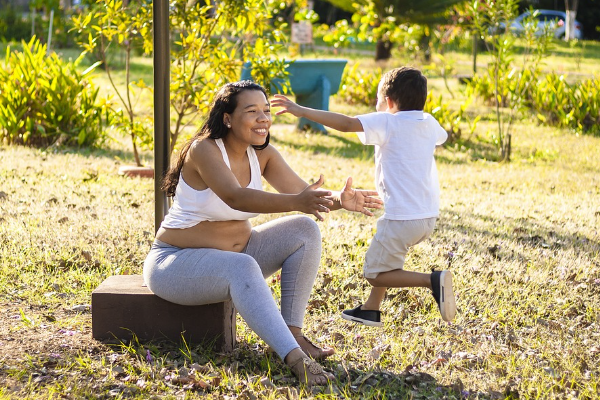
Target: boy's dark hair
406	87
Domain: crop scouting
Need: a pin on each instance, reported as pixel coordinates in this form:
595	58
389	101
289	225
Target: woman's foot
308	371
310	349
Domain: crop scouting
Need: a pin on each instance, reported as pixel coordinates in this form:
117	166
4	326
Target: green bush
359	86
44	99
587	105
573	106
453	121
553	100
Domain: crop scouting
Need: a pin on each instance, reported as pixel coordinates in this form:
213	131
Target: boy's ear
391	105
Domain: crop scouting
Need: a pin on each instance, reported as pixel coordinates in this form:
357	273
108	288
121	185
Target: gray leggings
196	276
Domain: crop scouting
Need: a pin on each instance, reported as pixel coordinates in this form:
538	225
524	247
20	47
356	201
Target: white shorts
388	248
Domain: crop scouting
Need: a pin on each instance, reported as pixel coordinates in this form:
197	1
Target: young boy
406	177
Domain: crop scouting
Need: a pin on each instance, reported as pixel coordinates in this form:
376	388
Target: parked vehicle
547	19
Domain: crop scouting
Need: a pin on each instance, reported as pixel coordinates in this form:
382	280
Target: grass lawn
521	239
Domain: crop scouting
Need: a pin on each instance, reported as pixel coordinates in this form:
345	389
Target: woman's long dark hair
225	102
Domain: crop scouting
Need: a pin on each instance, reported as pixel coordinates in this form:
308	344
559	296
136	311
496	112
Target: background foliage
45	100
211	40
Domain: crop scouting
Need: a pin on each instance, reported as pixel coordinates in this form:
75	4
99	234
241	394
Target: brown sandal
307	371
321	354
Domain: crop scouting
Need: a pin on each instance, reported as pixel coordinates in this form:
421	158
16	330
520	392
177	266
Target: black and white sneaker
441	287
367	317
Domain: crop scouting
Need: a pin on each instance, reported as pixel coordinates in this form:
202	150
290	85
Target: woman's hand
314	201
359	200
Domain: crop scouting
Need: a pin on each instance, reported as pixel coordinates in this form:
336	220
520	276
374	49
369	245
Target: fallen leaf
377	351
266	382
337	337
81	308
87	255
203	369
361	379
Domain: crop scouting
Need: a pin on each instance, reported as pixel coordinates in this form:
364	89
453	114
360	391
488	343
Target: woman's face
251	119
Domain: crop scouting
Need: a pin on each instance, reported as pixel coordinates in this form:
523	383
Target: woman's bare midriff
222	235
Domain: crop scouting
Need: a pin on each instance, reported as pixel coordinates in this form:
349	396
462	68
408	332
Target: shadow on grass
411	383
346	148
467	150
526	232
246	361
125	156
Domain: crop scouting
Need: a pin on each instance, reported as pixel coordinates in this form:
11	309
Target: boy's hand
359	200
287	105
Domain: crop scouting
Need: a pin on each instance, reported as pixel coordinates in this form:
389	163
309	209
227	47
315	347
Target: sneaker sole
447	300
361	321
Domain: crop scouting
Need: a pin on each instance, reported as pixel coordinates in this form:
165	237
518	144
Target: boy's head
405	86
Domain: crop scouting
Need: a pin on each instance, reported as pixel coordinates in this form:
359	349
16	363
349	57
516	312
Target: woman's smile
261	131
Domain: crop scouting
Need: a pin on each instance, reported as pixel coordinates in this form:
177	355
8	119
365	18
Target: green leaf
91	68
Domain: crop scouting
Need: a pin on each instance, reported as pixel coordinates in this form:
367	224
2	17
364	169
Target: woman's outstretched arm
207	160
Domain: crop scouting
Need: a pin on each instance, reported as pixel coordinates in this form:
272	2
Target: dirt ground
40	346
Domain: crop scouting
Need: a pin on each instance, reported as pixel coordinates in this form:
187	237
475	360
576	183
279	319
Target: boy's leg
388	250
400	278
367	313
440	283
375	298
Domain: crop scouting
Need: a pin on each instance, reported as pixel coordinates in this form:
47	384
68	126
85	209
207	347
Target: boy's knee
375	282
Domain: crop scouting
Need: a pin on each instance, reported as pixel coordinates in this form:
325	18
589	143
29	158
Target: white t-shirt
405	172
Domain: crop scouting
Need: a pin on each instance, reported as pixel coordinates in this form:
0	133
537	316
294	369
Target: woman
206	251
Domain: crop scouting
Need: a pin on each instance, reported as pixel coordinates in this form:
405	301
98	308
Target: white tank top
191	206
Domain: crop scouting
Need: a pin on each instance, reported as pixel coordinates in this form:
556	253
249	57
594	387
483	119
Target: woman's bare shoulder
201	148
268	151
266	154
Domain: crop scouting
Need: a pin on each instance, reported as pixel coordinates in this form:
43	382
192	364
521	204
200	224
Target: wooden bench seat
123	306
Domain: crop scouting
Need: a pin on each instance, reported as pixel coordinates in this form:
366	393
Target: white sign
302	32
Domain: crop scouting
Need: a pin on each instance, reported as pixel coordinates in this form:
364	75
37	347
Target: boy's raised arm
340	122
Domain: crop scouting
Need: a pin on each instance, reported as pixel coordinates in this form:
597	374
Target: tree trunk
571	10
425	46
570	25
383	50
506	150
475	44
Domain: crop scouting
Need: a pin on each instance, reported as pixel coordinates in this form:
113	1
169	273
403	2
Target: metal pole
33	22
50	32
162	64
